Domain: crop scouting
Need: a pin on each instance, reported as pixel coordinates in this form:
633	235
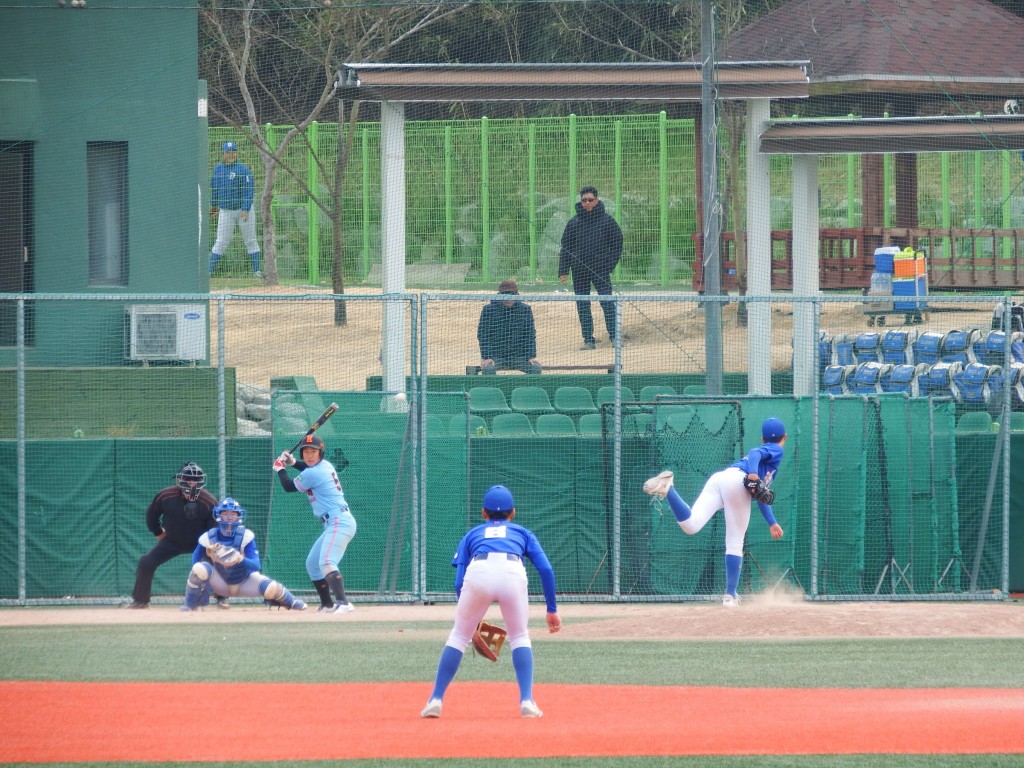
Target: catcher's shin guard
324	593
197	589
337	585
275	593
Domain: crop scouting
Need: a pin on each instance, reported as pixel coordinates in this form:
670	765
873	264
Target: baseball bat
331	410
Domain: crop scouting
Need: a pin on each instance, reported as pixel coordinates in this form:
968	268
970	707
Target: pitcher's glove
488	639
224	555
758	490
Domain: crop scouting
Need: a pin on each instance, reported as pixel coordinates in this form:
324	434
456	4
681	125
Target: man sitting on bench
507	336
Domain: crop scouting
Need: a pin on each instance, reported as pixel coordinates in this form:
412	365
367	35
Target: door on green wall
15	235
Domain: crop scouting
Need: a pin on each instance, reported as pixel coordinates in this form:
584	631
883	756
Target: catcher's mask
312	441
191	479
229	514
499	499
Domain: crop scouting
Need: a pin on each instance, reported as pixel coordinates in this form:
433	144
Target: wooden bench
474	370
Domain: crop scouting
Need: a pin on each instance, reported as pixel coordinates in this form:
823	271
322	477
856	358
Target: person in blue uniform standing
318	479
730	489
489	567
226	561
232	189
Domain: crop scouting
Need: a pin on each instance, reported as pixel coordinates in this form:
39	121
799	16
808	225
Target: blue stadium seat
867	348
898	346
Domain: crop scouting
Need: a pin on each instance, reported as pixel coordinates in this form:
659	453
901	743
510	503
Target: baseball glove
488	639
224	555
758	490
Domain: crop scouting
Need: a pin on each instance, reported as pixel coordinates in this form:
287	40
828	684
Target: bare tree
251	87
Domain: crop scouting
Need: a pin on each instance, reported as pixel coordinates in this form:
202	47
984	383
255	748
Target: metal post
712	227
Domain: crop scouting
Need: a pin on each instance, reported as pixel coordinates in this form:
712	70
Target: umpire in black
178	515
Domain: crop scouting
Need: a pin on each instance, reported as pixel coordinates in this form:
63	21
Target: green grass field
338	652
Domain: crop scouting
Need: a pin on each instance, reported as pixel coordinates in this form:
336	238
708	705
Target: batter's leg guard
337	585
197	589
324	593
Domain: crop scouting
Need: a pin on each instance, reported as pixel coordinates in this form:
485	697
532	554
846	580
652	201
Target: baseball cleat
659	485
223	602
135	604
433	709
186	609
730	601
341	608
529	709
298	605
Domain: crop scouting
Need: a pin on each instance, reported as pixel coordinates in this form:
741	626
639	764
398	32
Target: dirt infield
778	615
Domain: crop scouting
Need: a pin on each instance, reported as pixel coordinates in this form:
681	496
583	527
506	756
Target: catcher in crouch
731	489
227	562
489	567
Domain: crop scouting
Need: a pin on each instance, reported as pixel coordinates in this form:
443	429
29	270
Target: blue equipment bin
885	257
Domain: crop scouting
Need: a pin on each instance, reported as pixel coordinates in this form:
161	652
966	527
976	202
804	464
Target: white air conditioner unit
166	332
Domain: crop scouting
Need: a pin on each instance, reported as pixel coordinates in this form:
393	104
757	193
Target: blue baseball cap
229	146
498	499
773	430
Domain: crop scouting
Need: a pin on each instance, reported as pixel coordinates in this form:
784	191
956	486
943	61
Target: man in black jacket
591	247
177	516
507	335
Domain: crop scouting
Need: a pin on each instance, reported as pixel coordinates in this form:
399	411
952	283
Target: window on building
108	212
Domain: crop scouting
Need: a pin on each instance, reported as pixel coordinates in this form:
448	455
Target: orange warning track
57	721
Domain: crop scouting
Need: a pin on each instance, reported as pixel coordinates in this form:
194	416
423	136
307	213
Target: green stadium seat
511	425
695	389
1017	421
487	401
678	417
556	424
531	400
574	400
477	425
606	394
589	424
637	423
974	422
651	391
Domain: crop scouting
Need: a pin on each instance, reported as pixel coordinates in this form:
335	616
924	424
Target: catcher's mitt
488	639
758	490
224	555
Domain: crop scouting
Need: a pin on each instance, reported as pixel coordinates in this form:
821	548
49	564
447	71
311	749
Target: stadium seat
940	380
607	395
637	423
898	346
974	382
695	389
574	400
867	378
555	424
958	346
836	379
904	378
590	424
974	422
477	425
867	348
487	401
1017	421
511	425
651	391
678	419
928	347
531	400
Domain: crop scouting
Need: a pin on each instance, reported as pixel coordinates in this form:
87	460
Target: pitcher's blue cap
498	499
229	146
773	430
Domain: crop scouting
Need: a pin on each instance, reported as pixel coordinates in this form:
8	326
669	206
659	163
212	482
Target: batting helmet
311	441
191	479
229	505
499	499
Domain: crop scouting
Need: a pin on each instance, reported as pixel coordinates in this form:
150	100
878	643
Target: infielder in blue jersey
232	187
318	479
731	489
489	567
227	562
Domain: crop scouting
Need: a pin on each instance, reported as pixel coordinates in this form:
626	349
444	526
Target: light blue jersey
323	489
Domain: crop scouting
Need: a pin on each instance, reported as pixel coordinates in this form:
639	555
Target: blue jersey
510	538
762	461
323	489
243	540
232	187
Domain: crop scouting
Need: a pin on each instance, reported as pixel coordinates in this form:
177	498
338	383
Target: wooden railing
982	259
